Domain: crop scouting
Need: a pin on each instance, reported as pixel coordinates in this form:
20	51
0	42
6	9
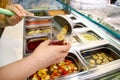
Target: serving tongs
6	12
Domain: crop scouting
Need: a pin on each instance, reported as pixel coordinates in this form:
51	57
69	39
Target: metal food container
62	20
57	12
36	30
70	66
49	12
32	21
100	55
32	43
89	36
39	12
79	25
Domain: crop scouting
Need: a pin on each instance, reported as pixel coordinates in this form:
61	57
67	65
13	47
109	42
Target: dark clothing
113	1
1	31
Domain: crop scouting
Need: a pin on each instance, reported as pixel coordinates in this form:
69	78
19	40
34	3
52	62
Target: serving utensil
6	12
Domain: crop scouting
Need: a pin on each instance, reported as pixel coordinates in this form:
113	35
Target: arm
43	56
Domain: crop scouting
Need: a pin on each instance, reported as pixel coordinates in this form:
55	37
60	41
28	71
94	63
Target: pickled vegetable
100	58
38	31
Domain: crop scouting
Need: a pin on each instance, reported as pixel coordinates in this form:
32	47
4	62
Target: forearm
20	69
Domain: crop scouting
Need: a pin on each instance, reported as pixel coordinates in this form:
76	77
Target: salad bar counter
94	54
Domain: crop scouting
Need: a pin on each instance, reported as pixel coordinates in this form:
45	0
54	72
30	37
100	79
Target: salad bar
93	54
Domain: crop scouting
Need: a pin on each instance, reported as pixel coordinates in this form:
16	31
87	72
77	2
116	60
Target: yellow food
95	57
56	70
99	54
62	33
110	58
35	77
105	61
99	61
100	58
60	37
89	37
92	61
92	65
39	31
56	12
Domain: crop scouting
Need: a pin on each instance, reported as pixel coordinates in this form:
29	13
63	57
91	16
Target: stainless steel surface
62	20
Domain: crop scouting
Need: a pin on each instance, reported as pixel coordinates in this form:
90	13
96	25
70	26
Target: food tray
57	12
51	12
32	43
88	36
71	65
79	25
31	21
100	55
36	30
39	12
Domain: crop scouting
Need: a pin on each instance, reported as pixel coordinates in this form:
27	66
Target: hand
47	55
19	12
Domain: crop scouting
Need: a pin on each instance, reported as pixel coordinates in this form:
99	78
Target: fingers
28	13
46	42
62	59
60	48
19	10
63	48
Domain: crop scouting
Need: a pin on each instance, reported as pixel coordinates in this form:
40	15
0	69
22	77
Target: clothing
113	1
1	31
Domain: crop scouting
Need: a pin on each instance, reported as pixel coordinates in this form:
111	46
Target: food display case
93	54
105	15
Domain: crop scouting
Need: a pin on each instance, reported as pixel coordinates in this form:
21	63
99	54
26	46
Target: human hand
47	55
19	12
